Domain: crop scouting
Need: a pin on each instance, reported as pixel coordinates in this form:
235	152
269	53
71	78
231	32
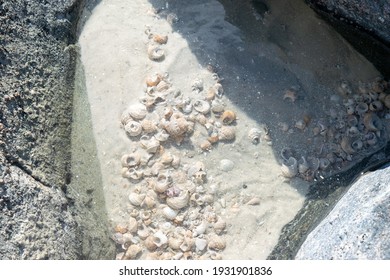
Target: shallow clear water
278	65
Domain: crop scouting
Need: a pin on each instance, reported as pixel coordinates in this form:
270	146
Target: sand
257	59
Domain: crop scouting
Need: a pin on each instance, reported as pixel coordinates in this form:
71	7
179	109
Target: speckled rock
359	225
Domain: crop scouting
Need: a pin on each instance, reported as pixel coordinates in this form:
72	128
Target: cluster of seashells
171	207
350	132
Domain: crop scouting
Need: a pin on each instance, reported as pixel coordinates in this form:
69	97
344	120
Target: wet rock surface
39	217
358	227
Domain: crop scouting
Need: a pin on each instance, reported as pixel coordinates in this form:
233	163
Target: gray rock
359	225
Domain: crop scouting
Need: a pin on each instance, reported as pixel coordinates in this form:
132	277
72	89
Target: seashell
290	95
219	226
163	183
226	165
215	256
357	144
160	39
350	109
344	89
151	145
352	121
303	165
177	126
121	228
133	128
163	86
208	198
156	168
253	201
372	122
153	80
217	106
213	138
161	136
361	108
137	111
149	243
148	126
376	106
196	199
200	244
202	106
149	202
180	201
216	242
228	117
148	101
300	124
197	85
218	90
346	145
353	131
175	161
200	229
371	138
197	166
143	232
226	133
131	160
132	225
160	239
136	198
205	145
324	163
373	95
211	93
314	163
289	168
156	53
254	135
132	252
132	173
175	241
169	213
166	158
187	244
201	119
386	101
200	177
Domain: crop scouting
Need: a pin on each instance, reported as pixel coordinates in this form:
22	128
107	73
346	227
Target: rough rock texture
364	24
370	15
39	218
358	227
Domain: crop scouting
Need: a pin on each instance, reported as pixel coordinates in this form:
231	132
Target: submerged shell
346	145
156	53
133	128
376	106
372	122
217	106
132	252
151	145
137	111
153	80
180	201
290	95
160	239
202	106
160	39
228	117
227	133
136	199
197	84
218	90
219	226
254	135
361	108
132	173
148	126
131	160
216	242
303	165
169	213
177	126
289	168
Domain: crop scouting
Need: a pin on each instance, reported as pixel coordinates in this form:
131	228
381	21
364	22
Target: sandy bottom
277	51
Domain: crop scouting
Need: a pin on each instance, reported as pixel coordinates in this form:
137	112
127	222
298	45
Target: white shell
180	201
136	198
200	229
219	226
202	106
226	133
226	165
218	90
159	238
155	53
254	135
169	213
217	106
303	165
163	183
161	136
130	160
216	242
133	128
137	111
290	168
132	252
200	244
197	85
